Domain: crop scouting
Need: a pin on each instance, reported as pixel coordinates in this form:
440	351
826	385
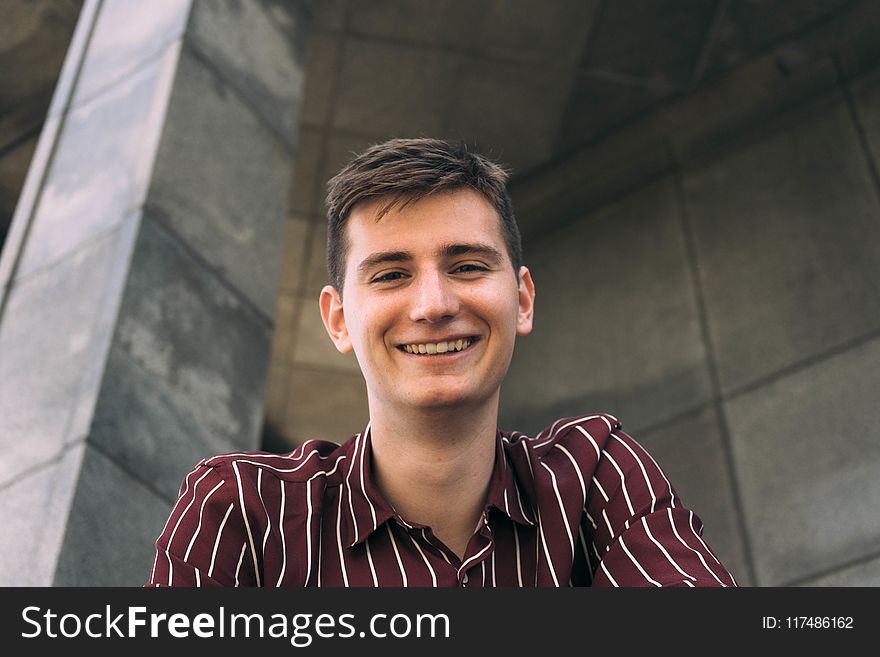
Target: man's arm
203	542
642	534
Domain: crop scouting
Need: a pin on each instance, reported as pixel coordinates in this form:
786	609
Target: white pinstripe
283	538
644	472
663	550
177	524
247	524
199	526
637	564
217	540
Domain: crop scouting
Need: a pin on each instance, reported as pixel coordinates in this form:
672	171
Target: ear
333	315
526	294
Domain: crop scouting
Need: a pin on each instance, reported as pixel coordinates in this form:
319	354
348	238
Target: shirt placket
479	549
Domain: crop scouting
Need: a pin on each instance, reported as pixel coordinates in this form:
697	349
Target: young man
428	290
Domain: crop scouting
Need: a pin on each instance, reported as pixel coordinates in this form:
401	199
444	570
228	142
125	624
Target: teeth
437	347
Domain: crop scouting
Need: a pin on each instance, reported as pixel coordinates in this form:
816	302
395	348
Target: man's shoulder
595	428
309	460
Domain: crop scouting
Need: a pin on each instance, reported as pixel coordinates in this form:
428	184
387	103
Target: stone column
139	276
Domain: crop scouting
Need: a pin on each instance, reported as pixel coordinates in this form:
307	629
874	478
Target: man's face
431	304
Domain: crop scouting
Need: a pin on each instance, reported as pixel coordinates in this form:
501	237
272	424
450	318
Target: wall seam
693	262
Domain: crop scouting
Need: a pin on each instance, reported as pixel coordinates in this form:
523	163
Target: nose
435	299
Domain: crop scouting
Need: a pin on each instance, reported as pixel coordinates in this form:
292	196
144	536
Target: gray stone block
284	331
807	454
313	345
259	47
867	101
320	73
35	39
533	96
325	405
788	244
341	148
221	181
294	251
317	276
393	89
442	23
101	165
866	573
112	529
304	195
54	338
33	514
126	36
186	376
616	325
691	454
655	43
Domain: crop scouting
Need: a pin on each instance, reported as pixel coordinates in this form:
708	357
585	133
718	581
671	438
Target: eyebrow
446	250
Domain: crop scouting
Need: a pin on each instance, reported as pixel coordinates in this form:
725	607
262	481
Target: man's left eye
469	268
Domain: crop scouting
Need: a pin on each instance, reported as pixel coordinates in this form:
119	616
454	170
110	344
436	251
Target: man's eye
465	269
390	276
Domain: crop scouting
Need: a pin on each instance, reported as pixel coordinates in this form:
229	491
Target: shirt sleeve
204	541
642	534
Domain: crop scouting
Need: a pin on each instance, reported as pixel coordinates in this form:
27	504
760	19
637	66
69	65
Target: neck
434	467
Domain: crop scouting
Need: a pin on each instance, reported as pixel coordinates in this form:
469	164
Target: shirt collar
365	509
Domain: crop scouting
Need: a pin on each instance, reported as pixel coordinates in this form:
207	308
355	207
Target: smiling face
432	305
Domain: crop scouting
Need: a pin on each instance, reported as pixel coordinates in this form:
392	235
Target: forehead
462	215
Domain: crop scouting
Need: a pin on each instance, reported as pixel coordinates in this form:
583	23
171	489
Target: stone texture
53	342
34	516
325	405
14	164
128	35
616	326
276	401
691	454
322	63
866	573
294	252
807	456
316	277
305	199
658	42
867	100
117	521
533	98
259	48
34	37
313	345
228	206
101	165
186	376
284	331
788	244
449	23
749	27
341	147
393	89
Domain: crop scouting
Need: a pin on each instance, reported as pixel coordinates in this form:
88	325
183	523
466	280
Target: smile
438	347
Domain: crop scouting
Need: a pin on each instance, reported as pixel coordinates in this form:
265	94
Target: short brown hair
405	170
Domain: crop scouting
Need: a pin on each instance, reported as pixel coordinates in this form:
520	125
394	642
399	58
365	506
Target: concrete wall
139	277
711	278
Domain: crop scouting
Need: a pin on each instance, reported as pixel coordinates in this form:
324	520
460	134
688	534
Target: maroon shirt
581	504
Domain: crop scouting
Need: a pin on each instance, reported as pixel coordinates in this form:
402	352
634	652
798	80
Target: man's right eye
389	277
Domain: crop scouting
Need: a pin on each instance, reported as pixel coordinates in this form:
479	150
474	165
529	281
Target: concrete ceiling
525	81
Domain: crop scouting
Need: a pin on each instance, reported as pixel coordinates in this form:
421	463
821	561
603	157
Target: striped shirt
581	504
